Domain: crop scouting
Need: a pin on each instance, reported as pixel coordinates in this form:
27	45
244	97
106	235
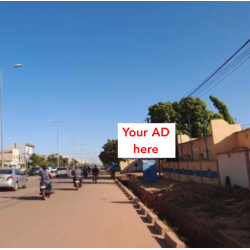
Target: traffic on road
13	179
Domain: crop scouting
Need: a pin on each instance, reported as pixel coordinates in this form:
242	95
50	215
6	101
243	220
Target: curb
170	237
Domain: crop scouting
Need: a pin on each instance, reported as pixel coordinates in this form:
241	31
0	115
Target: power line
217	70
234	64
212	87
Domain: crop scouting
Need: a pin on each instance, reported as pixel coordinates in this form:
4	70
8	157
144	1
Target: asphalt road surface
97	215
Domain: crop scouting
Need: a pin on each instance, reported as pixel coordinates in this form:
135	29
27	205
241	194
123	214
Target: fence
192	171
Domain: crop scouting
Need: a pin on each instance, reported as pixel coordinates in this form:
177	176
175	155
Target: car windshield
61	169
5	171
35	169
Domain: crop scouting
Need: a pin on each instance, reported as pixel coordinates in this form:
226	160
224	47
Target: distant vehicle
49	169
54	169
62	172
84	172
12	178
34	171
26	172
95	177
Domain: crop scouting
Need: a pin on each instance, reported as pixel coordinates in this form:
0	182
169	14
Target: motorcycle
44	190
85	174
77	183
95	177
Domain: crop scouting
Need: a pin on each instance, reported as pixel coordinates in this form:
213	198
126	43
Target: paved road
98	215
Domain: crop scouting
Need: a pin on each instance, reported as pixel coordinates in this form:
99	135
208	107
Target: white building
11	157
25	151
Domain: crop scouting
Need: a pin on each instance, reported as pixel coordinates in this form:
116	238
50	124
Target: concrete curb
170	237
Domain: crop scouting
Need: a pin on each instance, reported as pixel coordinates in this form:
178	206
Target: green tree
110	152
52	160
37	160
190	108
222	108
73	162
162	113
64	161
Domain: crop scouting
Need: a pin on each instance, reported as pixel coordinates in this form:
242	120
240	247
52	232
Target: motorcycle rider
77	173
95	171
46	177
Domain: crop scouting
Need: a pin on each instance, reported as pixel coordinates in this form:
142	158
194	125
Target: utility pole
81	151
205	133
19	65
180	129
73	148
57	123
190	135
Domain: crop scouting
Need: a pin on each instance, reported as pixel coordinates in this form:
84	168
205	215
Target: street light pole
73	148
2	111
57	147
81	151
57	138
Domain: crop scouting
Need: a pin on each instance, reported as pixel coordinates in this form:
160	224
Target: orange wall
243	138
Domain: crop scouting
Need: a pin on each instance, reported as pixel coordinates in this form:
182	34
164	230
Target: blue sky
100	63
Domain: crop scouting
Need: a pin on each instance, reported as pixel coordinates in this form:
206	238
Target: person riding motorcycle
46	178
85	172
77	173
95	172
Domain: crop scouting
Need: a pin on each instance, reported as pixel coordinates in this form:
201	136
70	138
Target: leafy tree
162	113
110	152
187	109
73	162
37	160
222	108
52	160
64	161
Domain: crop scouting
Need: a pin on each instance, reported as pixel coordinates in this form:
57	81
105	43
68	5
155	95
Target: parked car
34	171
13	178
49	170
54	169
62	172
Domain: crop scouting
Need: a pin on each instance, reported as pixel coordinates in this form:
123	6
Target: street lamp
73	147
81	151
19	65
57	123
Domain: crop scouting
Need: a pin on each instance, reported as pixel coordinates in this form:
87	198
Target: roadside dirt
224	209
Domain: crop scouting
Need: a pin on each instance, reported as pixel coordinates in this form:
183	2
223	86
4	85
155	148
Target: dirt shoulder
224	209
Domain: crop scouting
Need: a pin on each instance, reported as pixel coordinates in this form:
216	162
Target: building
222	158
25	151
223	137
11	157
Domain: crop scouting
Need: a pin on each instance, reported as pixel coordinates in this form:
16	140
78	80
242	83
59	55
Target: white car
62	172
49	170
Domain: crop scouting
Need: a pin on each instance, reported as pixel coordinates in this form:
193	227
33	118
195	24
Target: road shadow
65	189
99	182
26	198
64	182
3	190
122	202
